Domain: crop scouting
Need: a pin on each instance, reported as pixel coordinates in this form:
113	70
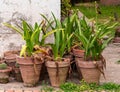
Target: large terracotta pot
30	70
4	75
58	71
90	71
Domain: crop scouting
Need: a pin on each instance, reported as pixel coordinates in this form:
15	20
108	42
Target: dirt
112	72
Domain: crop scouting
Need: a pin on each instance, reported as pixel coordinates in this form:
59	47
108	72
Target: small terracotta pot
4	75
10	60
58	71
30	70
68	56
90	72
116	40
18	76
78	53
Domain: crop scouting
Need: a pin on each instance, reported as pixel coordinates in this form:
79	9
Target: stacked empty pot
117	36
10	60
79	56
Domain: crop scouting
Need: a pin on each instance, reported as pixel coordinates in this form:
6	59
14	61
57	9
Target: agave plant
92	37
30	35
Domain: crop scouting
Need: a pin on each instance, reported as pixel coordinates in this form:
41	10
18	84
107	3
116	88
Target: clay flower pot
30	70
78	53
89	70
10	59
116	40
79	71
57	71
18	76
4	75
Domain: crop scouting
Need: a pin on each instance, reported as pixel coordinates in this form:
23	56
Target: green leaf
14	28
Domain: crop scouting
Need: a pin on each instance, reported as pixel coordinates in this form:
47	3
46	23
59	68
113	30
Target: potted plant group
30	59
4	73
91	39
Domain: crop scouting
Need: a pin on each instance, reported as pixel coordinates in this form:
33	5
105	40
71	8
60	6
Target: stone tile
27	91
9	91
2	90
36	91
18	90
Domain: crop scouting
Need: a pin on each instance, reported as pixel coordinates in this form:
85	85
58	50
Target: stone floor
112	72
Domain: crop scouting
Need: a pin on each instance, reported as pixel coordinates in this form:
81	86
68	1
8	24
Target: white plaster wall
12	11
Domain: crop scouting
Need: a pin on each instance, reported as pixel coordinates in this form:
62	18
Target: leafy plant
92	87
3	66
63	33
30	35
110	86
65	8
92	37
47	89
118	61
68	87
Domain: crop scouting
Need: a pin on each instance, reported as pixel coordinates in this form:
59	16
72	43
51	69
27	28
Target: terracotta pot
58	71
18	76
10	60
90	73
4	75
79	71
116	40
30	70
69	56
78	52
13	52
110	2
43	72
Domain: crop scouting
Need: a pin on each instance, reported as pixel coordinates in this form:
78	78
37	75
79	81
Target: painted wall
12	11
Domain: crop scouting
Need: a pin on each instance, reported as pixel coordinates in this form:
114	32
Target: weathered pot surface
58	71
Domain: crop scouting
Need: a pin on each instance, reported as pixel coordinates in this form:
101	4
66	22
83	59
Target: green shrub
110	86
92	87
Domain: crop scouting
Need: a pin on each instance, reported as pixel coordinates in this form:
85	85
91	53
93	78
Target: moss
3	66
4	80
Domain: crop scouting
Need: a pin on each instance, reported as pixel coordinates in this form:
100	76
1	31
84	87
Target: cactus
3	66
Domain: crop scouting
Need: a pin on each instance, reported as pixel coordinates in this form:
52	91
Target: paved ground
112	55
112	72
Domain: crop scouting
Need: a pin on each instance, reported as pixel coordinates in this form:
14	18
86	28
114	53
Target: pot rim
89	64
6	70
